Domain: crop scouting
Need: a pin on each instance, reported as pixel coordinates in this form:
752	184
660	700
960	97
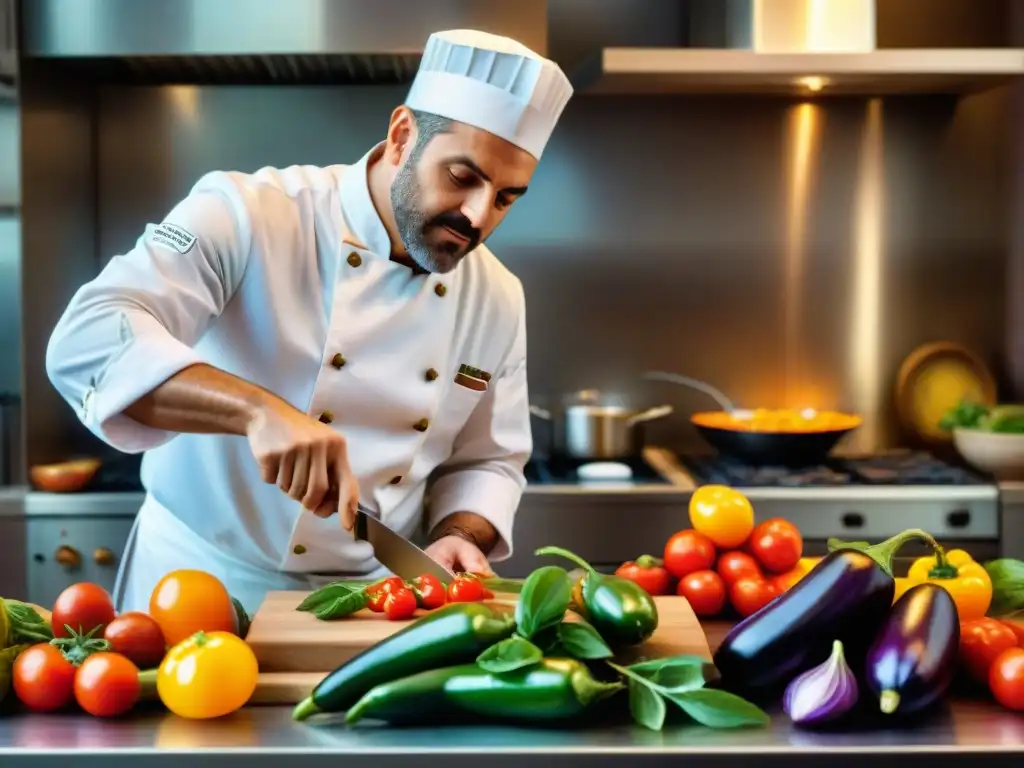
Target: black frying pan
761	448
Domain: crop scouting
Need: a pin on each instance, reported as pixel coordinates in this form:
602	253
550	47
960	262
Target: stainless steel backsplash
790	253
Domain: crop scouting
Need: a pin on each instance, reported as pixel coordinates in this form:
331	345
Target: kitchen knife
396	553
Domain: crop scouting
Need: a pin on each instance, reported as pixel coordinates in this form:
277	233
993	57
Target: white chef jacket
283	278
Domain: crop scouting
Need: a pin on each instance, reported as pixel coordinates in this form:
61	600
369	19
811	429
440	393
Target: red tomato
107	685
748	596
688	551
83	607
137	636
1017	629
981	641
465	589
649	572
1006	678
378	592
704	590
44	681
733	566
400	604
430	592
776	544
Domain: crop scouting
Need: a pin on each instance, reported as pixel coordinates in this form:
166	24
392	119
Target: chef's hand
306	459
460	556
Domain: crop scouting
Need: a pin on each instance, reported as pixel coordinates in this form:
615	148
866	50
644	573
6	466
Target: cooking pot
592	426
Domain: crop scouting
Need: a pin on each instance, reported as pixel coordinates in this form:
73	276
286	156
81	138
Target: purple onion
822	694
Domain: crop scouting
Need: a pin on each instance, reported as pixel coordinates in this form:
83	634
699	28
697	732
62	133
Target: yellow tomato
207	675
185	602
722	514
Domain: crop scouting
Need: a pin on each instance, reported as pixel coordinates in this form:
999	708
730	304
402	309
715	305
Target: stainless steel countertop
259	736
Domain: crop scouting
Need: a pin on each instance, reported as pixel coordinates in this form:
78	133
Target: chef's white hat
492	83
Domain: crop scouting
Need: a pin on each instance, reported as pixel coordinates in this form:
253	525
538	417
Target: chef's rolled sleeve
134	326
484	474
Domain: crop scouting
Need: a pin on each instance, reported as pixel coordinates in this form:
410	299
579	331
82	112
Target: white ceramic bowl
1000	455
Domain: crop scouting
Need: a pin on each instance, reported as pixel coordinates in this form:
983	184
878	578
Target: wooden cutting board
296	650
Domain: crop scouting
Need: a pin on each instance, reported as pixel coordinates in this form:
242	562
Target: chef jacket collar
357	207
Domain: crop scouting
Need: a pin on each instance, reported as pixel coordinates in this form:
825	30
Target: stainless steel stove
859	499
870	497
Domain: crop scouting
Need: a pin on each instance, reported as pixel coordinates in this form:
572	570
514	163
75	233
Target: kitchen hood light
812	84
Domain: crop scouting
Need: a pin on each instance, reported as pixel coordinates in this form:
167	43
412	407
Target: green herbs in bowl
990	439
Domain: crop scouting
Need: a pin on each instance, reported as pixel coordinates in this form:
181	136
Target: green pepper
454	634
620	610
551	689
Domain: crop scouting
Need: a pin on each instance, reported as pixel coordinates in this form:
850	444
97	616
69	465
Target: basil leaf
581	641
547	640
510	654
646	706
543	601
325	595
1007	577
674	673
718	709
342	606
26	625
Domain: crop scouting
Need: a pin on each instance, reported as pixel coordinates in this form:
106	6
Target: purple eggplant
846	597
913	660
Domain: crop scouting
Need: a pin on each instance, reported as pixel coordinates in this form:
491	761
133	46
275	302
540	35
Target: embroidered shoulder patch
173	236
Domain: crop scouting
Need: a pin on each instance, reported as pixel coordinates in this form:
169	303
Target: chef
287	343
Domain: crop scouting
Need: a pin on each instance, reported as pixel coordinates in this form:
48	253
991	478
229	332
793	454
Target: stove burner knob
67	556
960	518
853	520
104	556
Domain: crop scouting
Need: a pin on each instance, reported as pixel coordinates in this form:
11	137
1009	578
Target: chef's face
453	189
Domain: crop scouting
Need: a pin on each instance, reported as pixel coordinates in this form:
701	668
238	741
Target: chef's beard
414	225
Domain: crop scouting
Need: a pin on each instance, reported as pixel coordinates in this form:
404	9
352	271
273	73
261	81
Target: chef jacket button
431	374
421	425
354	259
440	290
326	417
298	549
396	479
338	360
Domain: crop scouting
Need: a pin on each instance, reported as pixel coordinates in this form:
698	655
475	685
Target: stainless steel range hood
261	41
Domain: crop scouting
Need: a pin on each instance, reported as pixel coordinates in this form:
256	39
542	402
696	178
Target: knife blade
395	552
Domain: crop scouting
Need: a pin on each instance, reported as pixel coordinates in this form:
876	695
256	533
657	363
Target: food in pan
777	420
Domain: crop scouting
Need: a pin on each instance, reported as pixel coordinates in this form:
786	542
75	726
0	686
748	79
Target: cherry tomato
733	566
185	602
748	596
784	582
430	592
1006	679
379	592
83	607
722	514
688	551
981	641
465	589
44	681
207	675
777	545
138	637
705	591
107	684
648	572
400	604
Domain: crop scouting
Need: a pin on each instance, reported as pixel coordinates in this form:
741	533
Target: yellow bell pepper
967	582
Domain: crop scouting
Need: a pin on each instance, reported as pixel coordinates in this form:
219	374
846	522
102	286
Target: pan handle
686	381
650	414
540	413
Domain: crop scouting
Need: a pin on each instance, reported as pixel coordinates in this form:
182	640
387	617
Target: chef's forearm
203	399
469	526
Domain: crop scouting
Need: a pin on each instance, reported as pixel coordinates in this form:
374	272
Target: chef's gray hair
428	125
